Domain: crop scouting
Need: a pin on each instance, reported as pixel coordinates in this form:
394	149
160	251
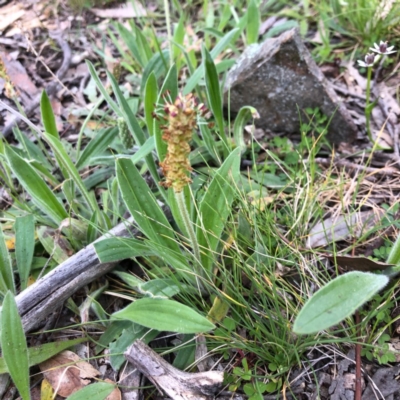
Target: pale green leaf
338	300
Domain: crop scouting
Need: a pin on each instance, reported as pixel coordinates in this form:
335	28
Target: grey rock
280	79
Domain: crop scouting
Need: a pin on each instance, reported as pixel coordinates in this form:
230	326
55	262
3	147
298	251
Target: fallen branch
178	385
47	294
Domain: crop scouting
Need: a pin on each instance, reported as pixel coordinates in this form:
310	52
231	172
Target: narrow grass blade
215	207
95	391
338	300
13	346
165	315
96	147
143	205
6	271
48	119
24	246
43	352
41	195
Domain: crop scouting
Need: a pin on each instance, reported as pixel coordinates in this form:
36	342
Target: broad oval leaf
338	300
165	315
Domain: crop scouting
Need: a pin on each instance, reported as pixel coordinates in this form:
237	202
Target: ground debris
383	384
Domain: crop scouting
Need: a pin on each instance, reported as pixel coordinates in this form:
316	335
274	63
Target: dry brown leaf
115	394
67	373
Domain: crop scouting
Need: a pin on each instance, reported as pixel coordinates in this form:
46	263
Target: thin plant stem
367	110
169	34
180	199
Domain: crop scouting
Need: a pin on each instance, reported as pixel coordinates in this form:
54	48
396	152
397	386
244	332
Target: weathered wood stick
48	293
178	385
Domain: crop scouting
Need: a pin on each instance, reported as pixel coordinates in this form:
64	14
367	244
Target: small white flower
370	60
382	48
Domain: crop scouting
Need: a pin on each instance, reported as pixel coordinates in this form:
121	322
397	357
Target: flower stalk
370	59
181	121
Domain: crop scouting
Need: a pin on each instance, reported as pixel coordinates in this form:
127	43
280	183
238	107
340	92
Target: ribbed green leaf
41	195
165	315
143	205
103	90
48	119
116	249
96	146
135	129
130	41
338	300
215	207
67	163
13	346
150	100
43	352
199	73
24	246
169	87
95	391
214	95
158	64
253	22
